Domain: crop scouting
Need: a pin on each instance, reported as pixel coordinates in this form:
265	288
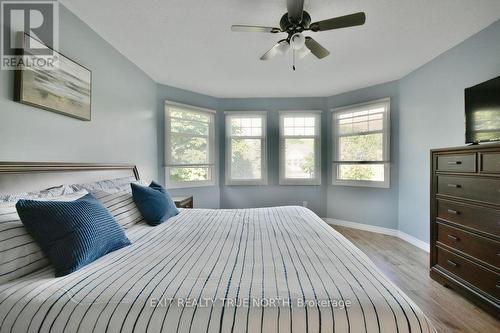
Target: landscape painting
65	89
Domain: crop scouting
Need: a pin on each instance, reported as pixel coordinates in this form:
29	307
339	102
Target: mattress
278	269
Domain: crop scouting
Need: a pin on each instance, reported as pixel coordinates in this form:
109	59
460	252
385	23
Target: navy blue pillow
72	234
154	203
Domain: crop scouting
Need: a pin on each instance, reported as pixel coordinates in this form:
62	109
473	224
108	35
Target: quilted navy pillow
154	203
72	234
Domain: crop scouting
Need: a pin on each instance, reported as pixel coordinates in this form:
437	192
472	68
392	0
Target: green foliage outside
308	165
246	158
301	150
367	147
189	174
189	135
245	155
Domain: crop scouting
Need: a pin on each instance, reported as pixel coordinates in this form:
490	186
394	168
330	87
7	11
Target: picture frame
65	89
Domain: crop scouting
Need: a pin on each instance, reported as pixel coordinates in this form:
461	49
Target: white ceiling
188	43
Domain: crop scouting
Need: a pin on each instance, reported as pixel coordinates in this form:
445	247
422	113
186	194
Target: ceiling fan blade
281	47
295	9
339	22
319	51
254	28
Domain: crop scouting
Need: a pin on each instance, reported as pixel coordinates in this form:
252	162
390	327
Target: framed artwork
65	89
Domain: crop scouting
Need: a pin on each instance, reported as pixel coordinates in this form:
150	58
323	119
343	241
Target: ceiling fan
296	21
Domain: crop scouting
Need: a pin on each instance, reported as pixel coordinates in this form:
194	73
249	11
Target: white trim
245	113
381	230
360	105
187	106
317	148
386	103
263	139
298	112
414	241
362	226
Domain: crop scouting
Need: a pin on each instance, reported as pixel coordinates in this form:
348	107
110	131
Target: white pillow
19	253
121	205
52	192
110	185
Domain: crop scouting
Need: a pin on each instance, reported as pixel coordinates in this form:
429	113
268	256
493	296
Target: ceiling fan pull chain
293	66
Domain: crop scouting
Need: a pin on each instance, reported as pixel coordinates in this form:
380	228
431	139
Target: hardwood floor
408	267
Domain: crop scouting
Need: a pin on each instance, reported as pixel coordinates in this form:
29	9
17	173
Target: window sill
245	183
360	183
190	185
300	182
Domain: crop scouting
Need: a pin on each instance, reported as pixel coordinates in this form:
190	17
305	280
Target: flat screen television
482	112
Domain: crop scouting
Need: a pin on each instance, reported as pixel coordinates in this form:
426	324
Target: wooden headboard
17	177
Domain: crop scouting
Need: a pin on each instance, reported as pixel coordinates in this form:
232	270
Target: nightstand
183	202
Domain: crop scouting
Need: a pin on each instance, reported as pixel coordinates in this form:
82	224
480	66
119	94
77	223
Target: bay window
300	148
246	148
361	144
189	146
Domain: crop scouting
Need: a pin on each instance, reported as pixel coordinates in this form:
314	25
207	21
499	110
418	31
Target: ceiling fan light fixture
283	47
303	52
297	41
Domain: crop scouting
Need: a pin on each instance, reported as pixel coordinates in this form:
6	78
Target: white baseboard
414	241
381	230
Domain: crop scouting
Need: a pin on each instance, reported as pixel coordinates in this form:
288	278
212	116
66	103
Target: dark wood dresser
465	222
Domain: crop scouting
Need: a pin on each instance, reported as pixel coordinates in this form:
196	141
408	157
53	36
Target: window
246	148
300	148
362	145
189	146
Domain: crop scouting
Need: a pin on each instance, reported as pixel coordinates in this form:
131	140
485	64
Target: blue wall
432	116
374	206
124	117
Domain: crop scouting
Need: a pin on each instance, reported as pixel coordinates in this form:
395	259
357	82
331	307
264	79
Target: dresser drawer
475	246
456	163
482	278
481	189
471	216
490	162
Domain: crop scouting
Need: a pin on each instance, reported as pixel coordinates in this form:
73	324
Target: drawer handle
455	185
455	162
451	263
455	238
454	212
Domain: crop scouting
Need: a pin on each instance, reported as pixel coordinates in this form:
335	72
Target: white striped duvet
255	270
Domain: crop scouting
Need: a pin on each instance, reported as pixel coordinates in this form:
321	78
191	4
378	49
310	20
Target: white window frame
386	102
211	149
263	137
317	148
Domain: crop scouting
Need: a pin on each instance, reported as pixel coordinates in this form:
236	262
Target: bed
279	269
